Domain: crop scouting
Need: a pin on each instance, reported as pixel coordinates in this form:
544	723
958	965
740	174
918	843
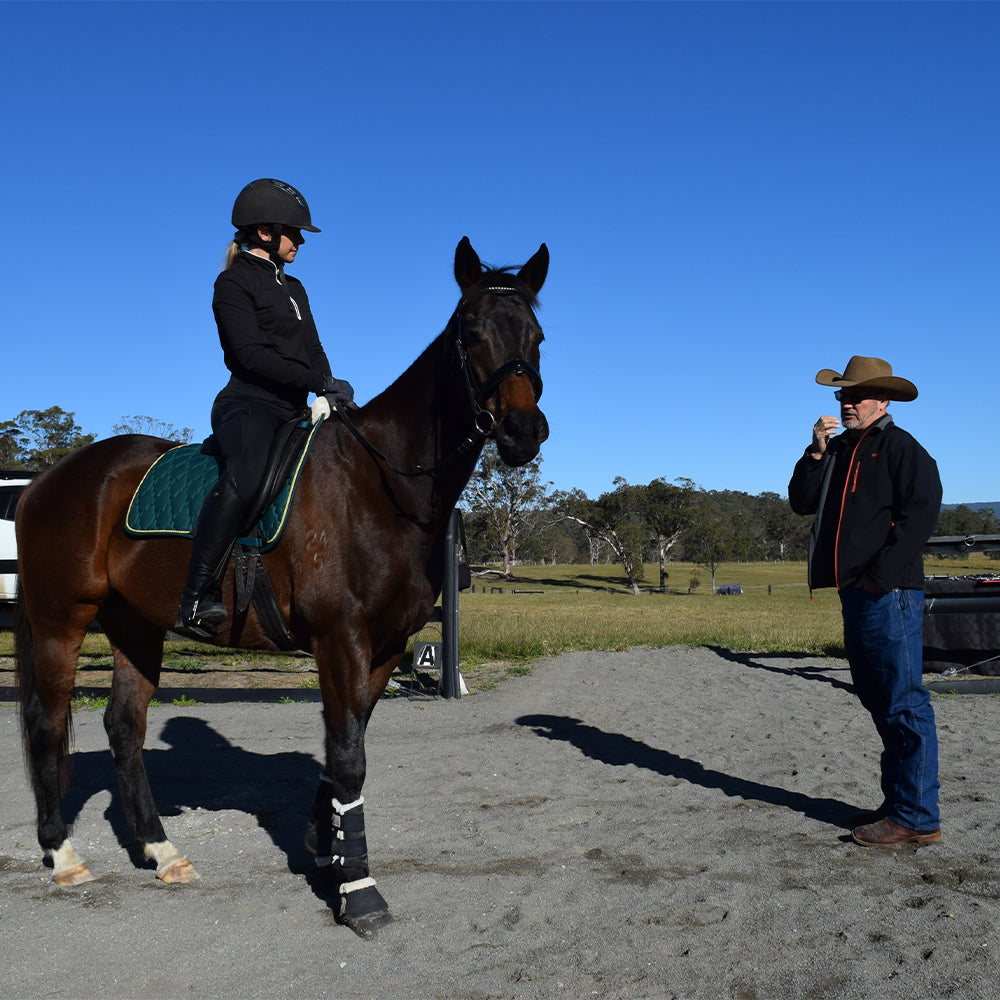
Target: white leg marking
68	867
171	865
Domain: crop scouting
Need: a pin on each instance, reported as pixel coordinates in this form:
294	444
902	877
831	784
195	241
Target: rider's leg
243	431
200	612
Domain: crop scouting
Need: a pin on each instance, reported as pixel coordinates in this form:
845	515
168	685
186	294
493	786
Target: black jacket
876	500
267	333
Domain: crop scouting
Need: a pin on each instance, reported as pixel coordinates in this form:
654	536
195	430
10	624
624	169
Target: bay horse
356	573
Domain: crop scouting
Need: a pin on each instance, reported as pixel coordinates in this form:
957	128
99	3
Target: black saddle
283	454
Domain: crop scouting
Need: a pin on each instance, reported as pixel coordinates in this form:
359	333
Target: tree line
512	516
36	439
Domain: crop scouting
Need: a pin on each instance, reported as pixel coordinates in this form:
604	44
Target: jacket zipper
279	278
851	481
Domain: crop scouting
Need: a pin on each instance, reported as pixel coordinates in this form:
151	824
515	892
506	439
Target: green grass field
550	609
543	610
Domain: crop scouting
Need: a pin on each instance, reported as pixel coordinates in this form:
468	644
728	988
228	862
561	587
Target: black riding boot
200	614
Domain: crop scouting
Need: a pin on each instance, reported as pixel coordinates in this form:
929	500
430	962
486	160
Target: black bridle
478	392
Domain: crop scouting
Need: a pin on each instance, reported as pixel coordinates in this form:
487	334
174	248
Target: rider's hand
320	409
340	393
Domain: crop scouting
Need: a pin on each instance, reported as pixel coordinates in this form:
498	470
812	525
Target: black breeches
243	434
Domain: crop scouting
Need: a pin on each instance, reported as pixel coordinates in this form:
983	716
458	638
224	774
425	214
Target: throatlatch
335	837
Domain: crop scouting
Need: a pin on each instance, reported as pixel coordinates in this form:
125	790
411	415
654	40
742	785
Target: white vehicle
11	484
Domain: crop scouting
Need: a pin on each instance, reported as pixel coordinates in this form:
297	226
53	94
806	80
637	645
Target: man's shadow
203	770
618	750
812	672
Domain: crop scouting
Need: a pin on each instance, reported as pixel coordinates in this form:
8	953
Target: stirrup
200	619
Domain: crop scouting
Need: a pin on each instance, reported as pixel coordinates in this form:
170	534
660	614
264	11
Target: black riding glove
339	393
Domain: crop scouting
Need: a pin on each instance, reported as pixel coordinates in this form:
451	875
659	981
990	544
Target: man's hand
823	430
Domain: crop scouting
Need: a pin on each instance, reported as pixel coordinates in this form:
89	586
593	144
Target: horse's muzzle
520	434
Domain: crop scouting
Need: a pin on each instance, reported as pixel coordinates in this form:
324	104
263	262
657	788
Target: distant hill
995	504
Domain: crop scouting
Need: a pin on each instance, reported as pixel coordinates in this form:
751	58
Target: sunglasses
846	396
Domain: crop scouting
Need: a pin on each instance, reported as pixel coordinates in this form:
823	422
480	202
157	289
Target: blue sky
734	196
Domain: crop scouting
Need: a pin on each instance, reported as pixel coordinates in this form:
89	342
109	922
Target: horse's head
498	341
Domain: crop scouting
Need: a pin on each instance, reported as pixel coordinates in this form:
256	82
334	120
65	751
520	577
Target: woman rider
273	352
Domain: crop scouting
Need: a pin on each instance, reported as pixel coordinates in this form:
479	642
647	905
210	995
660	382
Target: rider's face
288	245
291	240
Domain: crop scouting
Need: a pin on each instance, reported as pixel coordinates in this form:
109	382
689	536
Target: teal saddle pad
169	498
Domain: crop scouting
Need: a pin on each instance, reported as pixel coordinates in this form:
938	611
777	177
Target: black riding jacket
876	499
267	333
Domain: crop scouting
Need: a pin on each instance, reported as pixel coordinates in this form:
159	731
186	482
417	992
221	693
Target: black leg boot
200	614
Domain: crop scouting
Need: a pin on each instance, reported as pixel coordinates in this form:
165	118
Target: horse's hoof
76	875
363	908
171	866
177	872
368	925
68	868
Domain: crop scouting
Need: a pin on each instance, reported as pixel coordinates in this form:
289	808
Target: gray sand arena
650	824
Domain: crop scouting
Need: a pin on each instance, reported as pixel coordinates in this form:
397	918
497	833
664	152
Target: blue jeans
884	638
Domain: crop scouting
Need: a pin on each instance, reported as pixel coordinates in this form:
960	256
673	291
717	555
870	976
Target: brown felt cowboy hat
871	374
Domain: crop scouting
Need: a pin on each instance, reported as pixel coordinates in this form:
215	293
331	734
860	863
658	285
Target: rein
478	392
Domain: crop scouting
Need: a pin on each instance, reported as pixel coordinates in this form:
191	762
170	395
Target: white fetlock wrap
339	808
361	883
323	860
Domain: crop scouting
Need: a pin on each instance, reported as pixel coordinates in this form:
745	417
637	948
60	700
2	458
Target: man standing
876	495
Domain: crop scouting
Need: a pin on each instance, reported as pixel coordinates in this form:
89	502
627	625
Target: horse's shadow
203	770
617	750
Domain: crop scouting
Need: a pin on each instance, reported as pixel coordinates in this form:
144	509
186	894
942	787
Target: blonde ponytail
232	252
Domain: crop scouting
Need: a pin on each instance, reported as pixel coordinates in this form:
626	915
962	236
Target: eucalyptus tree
36	439
140	424
616	519
501	502
667	509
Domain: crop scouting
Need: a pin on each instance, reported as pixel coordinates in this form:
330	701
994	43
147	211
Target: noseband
480	391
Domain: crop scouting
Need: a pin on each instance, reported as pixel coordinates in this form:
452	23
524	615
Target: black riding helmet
274	204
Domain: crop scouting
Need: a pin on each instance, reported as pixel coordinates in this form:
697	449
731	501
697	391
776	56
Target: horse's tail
24	656
25	684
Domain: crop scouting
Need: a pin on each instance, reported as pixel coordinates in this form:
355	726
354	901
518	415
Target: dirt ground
206	673
647	825
294	674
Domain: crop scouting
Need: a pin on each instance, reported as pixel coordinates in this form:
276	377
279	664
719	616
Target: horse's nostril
543	430
519	436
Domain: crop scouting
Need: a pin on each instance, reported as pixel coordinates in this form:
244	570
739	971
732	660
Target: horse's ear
533	273
468	269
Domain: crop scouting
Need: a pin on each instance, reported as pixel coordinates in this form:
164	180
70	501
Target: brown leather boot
887	832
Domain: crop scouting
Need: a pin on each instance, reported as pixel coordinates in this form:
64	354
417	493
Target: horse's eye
472	333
